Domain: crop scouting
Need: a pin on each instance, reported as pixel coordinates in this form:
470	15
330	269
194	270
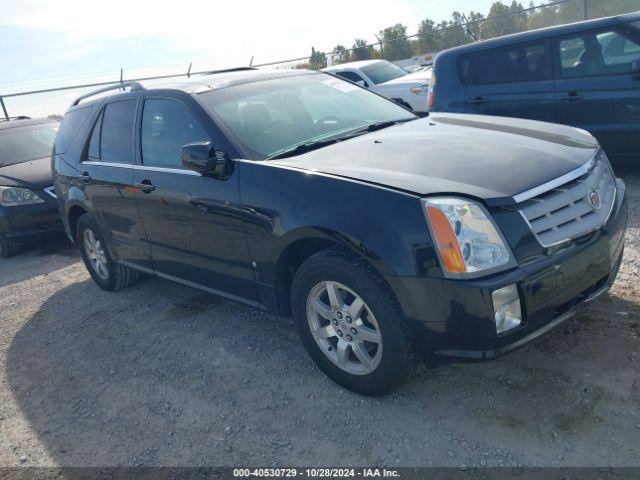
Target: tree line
502	19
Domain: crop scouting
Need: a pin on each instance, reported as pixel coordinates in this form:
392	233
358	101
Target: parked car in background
382	234
584	74
408	89
28	208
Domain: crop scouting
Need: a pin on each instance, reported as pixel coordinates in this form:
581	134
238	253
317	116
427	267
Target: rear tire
7	250
358	336
107	273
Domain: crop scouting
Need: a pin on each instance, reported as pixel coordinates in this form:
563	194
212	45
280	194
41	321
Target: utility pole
4	108
380	42
586	17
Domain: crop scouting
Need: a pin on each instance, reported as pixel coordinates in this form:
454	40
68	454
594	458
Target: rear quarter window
464	69
71	124
518	63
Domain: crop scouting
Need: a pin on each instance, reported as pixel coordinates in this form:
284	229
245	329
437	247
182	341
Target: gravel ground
161	374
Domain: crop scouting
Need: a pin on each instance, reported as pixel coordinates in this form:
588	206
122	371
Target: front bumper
21	225
455	318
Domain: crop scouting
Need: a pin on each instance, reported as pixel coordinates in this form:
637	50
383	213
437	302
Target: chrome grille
574	208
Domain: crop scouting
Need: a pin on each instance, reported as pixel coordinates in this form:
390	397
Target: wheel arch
304	243
73	215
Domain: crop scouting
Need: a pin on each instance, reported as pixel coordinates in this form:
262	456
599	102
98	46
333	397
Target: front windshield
272	116
381	72
21	144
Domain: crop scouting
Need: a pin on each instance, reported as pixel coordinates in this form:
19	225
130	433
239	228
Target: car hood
491	158
34	174
419	78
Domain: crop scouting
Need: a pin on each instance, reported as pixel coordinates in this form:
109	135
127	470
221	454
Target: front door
193	223
515	81
596	91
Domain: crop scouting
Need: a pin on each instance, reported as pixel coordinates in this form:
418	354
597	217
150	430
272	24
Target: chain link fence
392	44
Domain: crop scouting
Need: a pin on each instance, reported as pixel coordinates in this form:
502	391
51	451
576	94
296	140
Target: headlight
420	89
467	240
13	196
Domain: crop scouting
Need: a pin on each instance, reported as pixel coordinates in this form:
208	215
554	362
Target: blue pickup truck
584	74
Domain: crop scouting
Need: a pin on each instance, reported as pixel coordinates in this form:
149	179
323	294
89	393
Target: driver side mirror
635	68
201	157
362	83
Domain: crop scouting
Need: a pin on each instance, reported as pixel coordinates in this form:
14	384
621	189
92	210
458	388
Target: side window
520	63
618	50
351	76
464	69
93	153
167	125
116	131
596	53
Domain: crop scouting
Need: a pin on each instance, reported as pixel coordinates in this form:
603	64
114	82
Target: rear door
513	81
193	223
595	89
106	178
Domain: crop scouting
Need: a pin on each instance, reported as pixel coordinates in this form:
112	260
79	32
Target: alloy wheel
344	328
96	255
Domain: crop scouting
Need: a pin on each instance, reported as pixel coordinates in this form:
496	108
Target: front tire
351	324
7	250
107	273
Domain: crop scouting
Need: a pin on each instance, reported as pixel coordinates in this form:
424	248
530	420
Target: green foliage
340	55
509	18
396	46
317	60
361	51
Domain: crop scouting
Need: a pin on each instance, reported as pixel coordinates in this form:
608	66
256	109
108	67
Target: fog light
506	305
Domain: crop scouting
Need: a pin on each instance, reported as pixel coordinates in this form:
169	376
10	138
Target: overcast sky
70	38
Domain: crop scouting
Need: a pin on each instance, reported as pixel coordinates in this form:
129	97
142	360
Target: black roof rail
135	86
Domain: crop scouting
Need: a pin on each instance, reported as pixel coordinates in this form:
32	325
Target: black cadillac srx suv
385	236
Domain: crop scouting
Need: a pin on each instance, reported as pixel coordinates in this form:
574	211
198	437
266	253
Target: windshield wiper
307	147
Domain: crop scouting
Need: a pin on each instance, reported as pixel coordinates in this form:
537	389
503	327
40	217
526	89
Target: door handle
476	101
145	186
84	177
572	97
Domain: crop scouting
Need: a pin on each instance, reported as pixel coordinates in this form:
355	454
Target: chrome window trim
146	168
556	182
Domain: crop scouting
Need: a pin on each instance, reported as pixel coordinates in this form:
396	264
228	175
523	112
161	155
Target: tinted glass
21	144
597	53
71	123
270	116
94	144
464	69
381	72
117	131
354	77
520	63
167	125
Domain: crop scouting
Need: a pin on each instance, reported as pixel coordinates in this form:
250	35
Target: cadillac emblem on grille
594	199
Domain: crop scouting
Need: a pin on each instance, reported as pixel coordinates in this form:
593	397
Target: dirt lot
161	374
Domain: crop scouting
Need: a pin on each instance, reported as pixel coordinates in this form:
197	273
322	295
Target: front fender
282	205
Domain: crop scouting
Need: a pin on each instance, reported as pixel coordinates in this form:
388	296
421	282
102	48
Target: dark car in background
28	207
584	74
382	234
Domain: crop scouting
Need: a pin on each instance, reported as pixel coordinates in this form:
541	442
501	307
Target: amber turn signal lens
446	240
